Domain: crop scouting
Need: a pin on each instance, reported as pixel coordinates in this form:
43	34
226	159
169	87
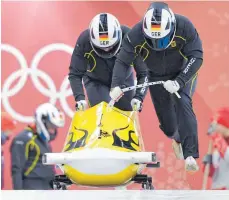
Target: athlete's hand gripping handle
117	92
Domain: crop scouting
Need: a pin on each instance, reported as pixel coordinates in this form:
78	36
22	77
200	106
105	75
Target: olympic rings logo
25	71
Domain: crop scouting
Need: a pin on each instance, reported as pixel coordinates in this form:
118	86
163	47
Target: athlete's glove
116	94
81	105
171	86
136	104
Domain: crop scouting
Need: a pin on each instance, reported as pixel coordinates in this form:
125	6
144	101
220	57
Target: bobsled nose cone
56	158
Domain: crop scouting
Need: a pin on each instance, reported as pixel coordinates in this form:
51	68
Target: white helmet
159	26
48	117
105	35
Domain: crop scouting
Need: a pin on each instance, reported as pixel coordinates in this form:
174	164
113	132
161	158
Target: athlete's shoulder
23	137
183	25
83	41
135	35
84	37
137	27
125	29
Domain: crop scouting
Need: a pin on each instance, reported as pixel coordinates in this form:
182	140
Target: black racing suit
28	171
181	62
96	73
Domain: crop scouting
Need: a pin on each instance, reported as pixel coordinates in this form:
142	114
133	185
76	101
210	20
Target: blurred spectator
8	125
28	147
218	155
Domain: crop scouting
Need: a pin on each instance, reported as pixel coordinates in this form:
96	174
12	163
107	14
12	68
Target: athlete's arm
141	73
194	53
18	161
123	63
77	69
208	160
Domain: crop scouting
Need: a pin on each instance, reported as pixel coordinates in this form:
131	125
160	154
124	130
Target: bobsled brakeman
103	148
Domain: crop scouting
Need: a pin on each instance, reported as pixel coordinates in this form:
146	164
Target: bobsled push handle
177	94
146	85
112	102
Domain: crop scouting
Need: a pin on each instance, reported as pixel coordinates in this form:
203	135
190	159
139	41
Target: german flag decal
103	37
155	27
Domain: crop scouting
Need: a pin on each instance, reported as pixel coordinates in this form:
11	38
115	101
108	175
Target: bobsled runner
103	148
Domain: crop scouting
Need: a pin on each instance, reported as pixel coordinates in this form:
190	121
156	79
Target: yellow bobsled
104	147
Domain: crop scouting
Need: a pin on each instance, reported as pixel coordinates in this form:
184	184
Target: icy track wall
37	41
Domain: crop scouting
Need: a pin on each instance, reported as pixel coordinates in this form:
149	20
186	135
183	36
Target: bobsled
103	148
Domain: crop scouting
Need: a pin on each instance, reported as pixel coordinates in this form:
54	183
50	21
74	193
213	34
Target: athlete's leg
165	109
187	124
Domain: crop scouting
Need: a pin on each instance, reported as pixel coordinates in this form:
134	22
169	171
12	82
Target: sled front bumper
99	154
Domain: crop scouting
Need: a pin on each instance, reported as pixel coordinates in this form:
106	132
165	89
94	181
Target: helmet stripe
103	25
103	28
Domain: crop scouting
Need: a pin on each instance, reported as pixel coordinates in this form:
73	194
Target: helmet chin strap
53	136
107	49
45	135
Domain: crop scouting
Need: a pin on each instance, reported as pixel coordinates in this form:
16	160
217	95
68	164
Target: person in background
8	125
28	147
218	157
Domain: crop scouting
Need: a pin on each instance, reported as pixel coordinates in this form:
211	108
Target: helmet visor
163	43
110	51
